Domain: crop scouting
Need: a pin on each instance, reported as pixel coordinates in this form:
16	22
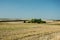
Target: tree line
36	21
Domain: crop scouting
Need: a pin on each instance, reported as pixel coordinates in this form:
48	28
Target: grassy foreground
28	31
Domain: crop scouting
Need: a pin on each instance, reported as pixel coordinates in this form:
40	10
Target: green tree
37	21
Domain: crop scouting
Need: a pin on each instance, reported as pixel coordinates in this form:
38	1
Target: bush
28	22
43	21
24	21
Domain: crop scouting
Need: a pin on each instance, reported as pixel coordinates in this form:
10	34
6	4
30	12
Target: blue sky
45	9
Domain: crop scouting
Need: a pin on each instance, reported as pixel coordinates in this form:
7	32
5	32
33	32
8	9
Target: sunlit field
29	31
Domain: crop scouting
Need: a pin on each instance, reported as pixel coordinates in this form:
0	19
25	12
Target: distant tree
37	21
34	20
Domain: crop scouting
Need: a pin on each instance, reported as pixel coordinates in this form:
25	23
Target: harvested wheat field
29	31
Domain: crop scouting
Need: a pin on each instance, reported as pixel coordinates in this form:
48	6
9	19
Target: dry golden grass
28	31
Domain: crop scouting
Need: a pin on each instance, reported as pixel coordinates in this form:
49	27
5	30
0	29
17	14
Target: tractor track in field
40	36
39	32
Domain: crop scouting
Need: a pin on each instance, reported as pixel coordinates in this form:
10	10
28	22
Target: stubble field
29	31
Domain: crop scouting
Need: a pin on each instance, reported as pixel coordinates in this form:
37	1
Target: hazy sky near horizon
46	9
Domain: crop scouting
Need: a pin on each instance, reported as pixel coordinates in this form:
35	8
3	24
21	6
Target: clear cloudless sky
46	9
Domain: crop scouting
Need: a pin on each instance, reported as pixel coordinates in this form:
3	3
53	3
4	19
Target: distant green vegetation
36	21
